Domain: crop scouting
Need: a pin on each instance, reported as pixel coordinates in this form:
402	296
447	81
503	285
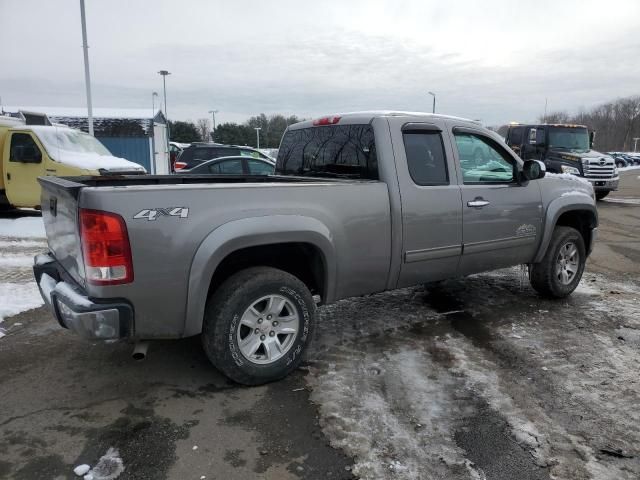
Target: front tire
601	195
560	271
257	325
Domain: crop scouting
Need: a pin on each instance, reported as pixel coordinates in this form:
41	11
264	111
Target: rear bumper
91	319
604	185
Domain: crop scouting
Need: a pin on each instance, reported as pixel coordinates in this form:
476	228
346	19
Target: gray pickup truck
360	203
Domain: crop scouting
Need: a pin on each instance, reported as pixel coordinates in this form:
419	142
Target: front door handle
477	202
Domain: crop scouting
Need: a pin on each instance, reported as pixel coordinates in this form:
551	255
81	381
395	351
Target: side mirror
592	136
533	170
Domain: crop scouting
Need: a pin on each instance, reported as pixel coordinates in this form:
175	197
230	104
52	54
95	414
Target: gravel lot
474	379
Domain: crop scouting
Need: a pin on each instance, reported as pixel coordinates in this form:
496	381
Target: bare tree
204	129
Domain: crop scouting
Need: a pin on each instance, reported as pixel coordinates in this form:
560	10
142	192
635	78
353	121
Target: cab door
501	218
431	205
25	164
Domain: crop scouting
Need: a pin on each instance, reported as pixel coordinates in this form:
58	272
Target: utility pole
213	132
87	77
257	129
164	74
153	103
434	101
544	119
635	144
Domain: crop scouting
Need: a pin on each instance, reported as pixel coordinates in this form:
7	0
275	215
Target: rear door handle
477	202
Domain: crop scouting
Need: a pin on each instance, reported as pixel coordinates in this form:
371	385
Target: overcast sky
491	60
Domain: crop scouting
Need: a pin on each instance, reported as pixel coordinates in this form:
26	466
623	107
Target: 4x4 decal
153	213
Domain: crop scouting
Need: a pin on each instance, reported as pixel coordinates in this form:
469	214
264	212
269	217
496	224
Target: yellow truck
29	151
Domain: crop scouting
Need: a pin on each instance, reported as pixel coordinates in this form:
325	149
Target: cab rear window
336	151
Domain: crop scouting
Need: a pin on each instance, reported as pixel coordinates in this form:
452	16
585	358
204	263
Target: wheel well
303	260
581	220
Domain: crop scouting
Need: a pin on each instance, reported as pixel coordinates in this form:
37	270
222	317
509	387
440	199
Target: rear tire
601	195
257	325
560	271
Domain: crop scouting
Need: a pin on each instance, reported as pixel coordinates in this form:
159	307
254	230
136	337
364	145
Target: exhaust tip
140	351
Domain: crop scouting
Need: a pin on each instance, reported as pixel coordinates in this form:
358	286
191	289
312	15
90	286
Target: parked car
620	159
175	149
632	158
201	152
360	203
232	166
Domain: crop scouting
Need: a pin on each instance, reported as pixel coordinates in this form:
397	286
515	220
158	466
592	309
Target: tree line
271	130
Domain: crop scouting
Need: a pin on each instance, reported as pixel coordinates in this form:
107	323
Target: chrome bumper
610	184
74	310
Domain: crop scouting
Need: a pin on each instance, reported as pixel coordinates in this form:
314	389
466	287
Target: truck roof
351	118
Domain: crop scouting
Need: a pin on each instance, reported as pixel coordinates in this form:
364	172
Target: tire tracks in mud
439	372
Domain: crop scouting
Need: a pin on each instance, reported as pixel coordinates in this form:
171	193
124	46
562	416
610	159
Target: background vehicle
232	166
30	151
201	152
175	149
565	149
620	159
360	203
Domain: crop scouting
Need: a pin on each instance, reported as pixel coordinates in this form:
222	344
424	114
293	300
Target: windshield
71	141
574	139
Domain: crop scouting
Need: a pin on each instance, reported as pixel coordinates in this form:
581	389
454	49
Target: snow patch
18	297
109	467
23	227
8	260
67	291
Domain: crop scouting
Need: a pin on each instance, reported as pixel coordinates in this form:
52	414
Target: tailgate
60	215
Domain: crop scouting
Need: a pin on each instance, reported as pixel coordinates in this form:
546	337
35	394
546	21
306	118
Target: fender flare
573	202
252	232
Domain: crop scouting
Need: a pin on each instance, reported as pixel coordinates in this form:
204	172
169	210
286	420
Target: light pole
257	129
213	132
87	77
153	103
635	144
164	74
434	101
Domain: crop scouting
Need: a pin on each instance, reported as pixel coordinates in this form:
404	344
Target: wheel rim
268	329
567	263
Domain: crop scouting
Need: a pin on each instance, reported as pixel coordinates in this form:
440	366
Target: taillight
326	121
105	247
179	165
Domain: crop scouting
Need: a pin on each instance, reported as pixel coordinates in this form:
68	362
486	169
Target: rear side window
227	167
425	158
210	153
337	150
256	167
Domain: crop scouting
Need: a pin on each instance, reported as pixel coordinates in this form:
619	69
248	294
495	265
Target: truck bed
350	218
74	184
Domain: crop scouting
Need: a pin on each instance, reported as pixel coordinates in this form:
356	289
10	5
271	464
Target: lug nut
259	320
256	331
268	317
275	323
262	337
272	333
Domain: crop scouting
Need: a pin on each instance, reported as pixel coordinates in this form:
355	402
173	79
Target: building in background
138	135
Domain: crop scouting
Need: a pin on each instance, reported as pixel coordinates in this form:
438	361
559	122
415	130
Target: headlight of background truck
571	170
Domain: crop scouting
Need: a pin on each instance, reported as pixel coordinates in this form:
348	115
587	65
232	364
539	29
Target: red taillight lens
105	247
179	165
326	121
